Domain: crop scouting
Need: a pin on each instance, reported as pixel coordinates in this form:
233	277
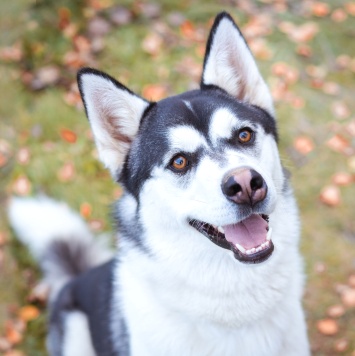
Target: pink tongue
249	233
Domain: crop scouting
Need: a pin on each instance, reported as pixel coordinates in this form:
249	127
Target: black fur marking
92	294
172	112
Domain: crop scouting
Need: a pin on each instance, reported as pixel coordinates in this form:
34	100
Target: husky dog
208	260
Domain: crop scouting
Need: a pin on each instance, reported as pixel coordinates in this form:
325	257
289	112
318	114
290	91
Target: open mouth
250	239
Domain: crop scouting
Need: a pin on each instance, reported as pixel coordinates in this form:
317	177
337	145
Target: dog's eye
245	135
179	163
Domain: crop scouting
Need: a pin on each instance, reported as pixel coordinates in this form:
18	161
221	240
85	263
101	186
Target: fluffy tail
57	237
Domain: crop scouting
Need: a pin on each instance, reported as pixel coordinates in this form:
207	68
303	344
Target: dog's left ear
230	65
114	113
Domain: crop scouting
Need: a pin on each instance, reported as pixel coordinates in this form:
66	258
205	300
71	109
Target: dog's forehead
213	113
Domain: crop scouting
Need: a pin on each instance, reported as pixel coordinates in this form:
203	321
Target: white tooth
258	249
268	235
220	229
267	243
240	248
253	250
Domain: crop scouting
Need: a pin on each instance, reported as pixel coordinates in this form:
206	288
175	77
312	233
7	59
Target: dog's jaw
259	252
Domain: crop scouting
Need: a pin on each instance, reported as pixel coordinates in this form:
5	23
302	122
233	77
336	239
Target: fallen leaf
154	92
82	44
21	186
303	33
320	9
340	144
68	135
304	50
67	172
340	110
350	8
351	164
336	311
96	224
341	345
330	195
98	27
149	10
318	72
120	16
303	145
331	88
28	313
260	49
327	326
11	54
152	44
342	178
348	297
320	267
3	238
14	353
4	344
343	61
85	210
45	76
23	155
351	280
339	15
12	334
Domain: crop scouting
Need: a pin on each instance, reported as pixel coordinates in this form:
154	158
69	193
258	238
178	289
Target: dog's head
205	160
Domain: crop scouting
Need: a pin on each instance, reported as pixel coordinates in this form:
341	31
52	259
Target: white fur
77	339
40	221
185	139
222	123
111	109
231	66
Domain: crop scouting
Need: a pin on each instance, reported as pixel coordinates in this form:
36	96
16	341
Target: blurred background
305	50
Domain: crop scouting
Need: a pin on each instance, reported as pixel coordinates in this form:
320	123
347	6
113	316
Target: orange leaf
340	110
188	30
352	280
22	186
154	92
339	144
28	313
320	9
350	8
327	327
330	195
348	297
339	15
342	178
85	210
303	145
12	334
66	172
68	135
336	311
341	345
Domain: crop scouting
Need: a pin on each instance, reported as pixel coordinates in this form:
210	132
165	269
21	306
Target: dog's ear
229	64
114	113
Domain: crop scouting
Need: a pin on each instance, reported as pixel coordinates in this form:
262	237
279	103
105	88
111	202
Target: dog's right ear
114	113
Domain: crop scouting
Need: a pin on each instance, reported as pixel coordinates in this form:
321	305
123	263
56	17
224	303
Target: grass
34	120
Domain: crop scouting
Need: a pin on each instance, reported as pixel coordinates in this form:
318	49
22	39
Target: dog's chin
249	240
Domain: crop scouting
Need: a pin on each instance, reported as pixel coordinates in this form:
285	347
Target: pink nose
244	186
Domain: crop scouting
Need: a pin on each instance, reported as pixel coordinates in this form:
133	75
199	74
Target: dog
208	260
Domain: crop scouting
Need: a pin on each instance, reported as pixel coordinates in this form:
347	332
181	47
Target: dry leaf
11	54
351	164
28	313
342	178
330	195
304	32
3	238
336	311
82	44
339	15
331	88
98	27
348	297
12	333
68	135
340	144
327	326
343	61
350	127
45	76
341	345
154	92
14	353
96	224
350	8
304	50
4	344
303	145
23	155
351	280
21	186
318	72
260	49
119	16
85	210
320	9
340	110
152	44
66	172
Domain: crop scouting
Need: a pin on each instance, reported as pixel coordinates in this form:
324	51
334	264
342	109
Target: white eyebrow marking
186	138
222	124
189	106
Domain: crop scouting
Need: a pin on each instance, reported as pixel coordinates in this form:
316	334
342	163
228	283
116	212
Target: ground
305	50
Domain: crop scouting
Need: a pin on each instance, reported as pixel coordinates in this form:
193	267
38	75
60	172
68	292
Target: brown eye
179	163
245	135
